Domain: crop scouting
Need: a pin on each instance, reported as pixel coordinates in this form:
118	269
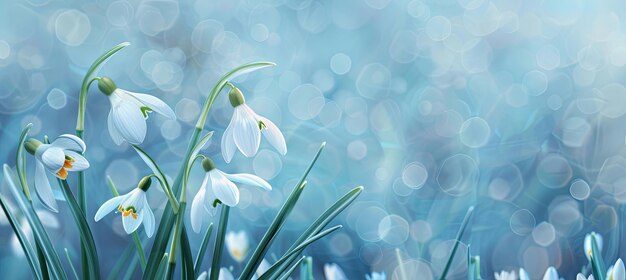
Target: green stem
219	243
69	260
142	257
20	161
459	235
177	230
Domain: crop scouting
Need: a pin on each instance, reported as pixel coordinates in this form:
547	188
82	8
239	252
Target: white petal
551	274
108	207
523	275
224	189
619	272
225	274
246	131
129	121
334	272
228	142
148	220
43	188
53	159
197	208
155	104
80	162
131	224
248	179
70	142
273	135
203	276
115	135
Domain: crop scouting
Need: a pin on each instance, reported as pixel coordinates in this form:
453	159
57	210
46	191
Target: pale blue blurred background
516	107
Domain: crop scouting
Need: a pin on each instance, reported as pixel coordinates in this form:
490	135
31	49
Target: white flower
334	272
376	276
133	207
523	275
587	245
237	245
129	111
62	155
503	275
245	128
617	271
218	187
580	276
551	274
225	274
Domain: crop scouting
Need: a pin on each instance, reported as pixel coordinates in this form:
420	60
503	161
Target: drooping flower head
334	272
61	156
129	111
133	207
504	275
245	129
587	245
237	245
218	188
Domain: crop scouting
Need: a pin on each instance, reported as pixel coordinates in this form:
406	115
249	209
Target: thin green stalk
401	265
20	161
597	263
159	175
80	129
161	271
175	239
459	235
42	263
140	252
29	251
292	269
202	251
167	220
185	250
131	267
219	243
69	260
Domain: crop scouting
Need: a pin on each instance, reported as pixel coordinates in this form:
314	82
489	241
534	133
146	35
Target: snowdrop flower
225	274
334	272
503	275
245	128
62	155
580	276
523	275
587	245
217	188
617	271
133	207
376	276
237	245
551	274
129	111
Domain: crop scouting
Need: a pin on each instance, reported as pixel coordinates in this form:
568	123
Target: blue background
516	107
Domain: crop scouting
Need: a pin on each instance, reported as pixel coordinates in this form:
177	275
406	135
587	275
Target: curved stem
246	68
168	193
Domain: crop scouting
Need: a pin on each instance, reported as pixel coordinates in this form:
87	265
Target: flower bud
106	85
236	97
31	145
144	184
208	164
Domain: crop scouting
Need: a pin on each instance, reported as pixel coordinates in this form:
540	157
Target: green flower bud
208	164
106	85
236	97
31	145
144	184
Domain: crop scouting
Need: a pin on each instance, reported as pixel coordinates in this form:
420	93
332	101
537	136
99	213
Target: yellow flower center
66	164
130	211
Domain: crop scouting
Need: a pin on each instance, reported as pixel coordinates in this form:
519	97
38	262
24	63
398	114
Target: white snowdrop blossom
504	275
523	275
245	129
617	271
218	188
334	272
551	274
64	154
376	276
237	245
129	111
133	207
587	244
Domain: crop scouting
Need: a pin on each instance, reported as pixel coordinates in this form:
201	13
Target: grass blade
122	261
278	221
159	175
219	243
29	251
188	271
292	269
401	265
69	260
276	267
202	251
597	263
85	232
20	161
162	265
39	232
459	235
